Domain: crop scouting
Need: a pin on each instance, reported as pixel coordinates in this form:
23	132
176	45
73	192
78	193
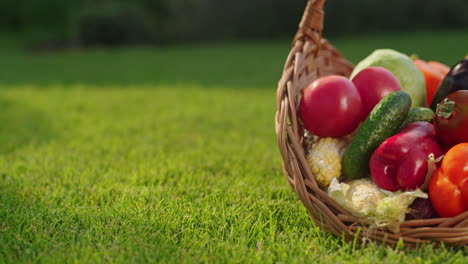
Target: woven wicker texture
311	57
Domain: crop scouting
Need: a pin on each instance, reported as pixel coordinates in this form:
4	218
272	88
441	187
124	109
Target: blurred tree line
116	22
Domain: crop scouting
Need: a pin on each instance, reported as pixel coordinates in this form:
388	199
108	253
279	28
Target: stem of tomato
445	108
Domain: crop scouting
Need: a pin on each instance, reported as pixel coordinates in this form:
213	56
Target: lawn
166	155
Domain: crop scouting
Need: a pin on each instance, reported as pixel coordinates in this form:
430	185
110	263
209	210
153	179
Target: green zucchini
418	114
383	122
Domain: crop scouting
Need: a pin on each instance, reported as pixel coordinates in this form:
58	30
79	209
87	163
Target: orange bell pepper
448	188
444	69
434	72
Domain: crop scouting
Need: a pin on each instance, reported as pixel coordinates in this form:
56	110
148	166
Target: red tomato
373	84
448	189
330	107
451	119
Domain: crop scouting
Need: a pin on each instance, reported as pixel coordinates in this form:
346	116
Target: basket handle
311	24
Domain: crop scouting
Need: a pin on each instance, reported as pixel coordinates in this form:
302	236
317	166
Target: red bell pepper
448	189
400	162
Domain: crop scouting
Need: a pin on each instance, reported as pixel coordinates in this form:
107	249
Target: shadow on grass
21	125
15	213
254	64
29	227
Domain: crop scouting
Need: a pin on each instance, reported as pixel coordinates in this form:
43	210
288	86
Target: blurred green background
65	23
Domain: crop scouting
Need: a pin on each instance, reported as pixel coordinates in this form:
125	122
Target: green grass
165	155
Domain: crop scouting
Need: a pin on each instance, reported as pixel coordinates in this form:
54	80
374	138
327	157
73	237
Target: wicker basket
311	57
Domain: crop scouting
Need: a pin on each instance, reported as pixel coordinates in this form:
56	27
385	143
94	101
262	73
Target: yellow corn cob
325	159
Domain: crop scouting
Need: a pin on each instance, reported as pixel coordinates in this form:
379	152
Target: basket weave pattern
311	57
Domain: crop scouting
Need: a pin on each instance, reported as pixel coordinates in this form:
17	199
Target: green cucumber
418	114
383	122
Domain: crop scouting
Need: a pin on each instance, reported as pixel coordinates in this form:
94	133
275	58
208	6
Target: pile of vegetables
391	142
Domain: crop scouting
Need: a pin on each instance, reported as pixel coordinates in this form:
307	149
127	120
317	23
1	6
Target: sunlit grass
133	156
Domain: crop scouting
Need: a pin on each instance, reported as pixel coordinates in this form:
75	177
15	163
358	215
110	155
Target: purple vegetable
421	209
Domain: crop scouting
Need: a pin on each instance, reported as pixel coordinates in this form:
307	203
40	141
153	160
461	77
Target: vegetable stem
445	109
